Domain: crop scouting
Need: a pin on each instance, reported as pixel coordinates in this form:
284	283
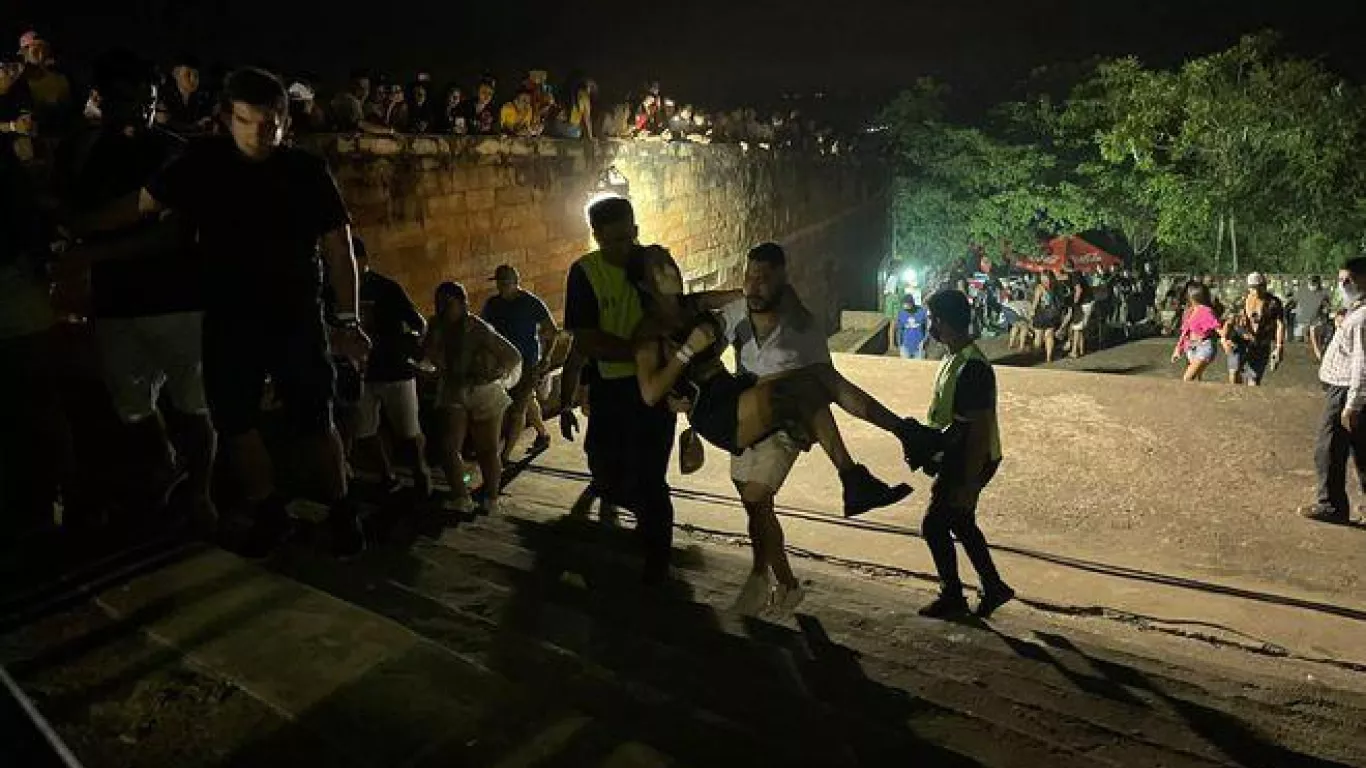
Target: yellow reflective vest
946	387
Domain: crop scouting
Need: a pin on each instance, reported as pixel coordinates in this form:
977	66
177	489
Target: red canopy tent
1068	252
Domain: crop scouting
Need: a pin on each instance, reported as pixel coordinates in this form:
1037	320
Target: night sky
710	51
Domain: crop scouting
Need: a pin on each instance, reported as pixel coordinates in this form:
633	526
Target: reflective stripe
619	310
946	387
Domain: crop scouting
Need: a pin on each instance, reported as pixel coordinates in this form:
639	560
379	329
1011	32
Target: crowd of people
232	327
38	97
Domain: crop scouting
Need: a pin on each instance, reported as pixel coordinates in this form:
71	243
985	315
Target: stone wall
438	208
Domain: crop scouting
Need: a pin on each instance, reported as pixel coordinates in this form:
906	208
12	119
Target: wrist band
684	356
344	316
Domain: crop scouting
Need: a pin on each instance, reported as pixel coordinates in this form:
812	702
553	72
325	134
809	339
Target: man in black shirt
523	319
147	308
396	327
965	393
261	210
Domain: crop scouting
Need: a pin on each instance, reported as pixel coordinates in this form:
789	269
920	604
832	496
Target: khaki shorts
483	402
142	356
399	401
767	462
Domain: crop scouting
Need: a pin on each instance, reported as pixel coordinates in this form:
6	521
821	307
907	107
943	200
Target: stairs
527	640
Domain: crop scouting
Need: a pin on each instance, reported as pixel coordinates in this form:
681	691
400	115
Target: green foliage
1241	146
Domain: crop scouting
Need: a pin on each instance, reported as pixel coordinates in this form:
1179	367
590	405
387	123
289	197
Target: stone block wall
441	208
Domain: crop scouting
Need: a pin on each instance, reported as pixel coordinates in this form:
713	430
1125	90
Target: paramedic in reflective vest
964	391
628	442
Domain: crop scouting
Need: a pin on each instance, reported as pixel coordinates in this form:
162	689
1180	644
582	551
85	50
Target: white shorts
484	402
766	463
399	401
142	355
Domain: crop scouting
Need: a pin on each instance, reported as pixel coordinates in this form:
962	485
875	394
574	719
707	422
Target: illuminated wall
434	209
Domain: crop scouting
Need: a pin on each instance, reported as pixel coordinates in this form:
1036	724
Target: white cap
300	92
1256	279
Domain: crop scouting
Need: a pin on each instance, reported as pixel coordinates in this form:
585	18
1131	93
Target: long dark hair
638	270
1199	293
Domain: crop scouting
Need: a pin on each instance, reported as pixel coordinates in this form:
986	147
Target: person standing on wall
1342	431
964	392
522	318
263	212
628	442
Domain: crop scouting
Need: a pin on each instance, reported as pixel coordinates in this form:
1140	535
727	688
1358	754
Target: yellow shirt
514	118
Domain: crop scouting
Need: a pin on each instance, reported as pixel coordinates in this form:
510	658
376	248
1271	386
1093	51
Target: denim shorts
1250	361
1201	351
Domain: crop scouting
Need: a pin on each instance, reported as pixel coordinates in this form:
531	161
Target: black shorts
716	410
242	347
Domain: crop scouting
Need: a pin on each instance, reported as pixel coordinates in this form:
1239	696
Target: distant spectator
1311	306
305	114
649	118
516	117
484	116
455	115
16	109
536	84
616	124
48	89
581	114
421	111
395	109
910	326
349	107
188	109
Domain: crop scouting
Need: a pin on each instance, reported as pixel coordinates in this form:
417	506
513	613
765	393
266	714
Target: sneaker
540	445
348	536
754	595
786	599
270	526
992	599
1324	514
863	492
946	607
491	507
457	508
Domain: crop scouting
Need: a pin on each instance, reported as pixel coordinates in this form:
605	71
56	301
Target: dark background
716	52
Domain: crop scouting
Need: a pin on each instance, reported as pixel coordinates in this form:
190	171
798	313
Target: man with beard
964	394
773	335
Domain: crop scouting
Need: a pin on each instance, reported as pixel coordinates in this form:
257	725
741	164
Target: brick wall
437	208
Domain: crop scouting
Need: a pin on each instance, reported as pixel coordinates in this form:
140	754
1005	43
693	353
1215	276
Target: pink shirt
1198	324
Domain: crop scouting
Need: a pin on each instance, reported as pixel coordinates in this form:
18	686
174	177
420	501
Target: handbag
691	454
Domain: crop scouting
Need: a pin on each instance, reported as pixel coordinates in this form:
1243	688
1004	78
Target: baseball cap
300	92
1255	279
506	272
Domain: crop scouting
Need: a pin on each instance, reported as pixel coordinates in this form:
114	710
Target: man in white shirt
1343	374
774	335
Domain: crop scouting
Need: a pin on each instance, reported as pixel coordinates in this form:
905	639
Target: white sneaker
458	505
786	599
754	595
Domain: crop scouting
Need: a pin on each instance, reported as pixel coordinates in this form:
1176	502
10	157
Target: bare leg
329	457
1196	370
534	417
515	425
485	434
766	534
457	421
854	401
827	433
251	462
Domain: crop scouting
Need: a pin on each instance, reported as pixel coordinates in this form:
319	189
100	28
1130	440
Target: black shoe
1325	514
270	526
863	492
540	445
348	536
992	599
946	607
390	485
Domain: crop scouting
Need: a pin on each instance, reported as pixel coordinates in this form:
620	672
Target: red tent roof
1068	252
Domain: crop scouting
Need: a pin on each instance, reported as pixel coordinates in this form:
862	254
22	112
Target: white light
909	276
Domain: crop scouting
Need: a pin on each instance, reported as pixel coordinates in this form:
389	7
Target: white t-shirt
786	349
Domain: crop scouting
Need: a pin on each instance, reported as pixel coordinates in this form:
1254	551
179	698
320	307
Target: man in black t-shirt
146	308
965	395
261	210
396	327
523	319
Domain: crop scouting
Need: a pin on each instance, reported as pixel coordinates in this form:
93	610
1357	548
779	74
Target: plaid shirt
1344	362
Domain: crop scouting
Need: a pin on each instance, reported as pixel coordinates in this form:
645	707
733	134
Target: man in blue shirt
523	319
910	329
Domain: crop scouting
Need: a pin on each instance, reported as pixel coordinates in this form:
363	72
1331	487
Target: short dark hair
768	253
255	87
1356	265
950	307
358	248
610	210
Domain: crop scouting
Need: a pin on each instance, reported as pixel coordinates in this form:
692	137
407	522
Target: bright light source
909	276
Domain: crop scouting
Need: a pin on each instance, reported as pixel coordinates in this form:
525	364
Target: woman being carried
678	354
